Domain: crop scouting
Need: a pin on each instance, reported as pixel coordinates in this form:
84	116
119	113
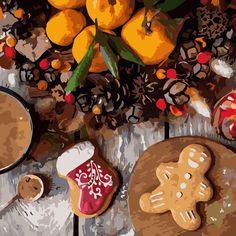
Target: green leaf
169	5
108	55
110	59
100	37
81	71
148	4
123	50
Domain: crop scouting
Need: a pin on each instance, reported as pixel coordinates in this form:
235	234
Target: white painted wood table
51	215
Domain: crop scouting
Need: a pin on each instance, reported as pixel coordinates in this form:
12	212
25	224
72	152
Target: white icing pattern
157	197
203	188
201	159
191	154
187	176
193	164
189	216
96	179
183	185
179	194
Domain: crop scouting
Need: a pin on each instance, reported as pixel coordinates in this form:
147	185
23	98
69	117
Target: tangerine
110	13
64	4
64	26
150	42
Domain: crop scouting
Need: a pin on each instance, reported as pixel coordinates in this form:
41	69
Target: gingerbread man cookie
182	185
92	181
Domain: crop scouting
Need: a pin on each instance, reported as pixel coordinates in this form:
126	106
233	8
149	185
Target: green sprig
81	71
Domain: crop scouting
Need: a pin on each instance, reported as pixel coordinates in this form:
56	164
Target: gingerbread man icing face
182	185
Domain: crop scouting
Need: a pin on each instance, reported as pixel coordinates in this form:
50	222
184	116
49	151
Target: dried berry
9	52
161	104
69	98
161	74
56	64
11	41
171	73
203	57
97	110
19	13
44	64
42	85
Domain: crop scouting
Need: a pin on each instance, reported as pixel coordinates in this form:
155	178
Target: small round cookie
30	188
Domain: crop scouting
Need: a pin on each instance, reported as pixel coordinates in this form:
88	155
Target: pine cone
212	22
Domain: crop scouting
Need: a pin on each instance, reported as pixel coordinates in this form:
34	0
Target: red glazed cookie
92	181
224	115
182	185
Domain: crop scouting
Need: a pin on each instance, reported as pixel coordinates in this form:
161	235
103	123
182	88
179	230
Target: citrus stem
147	24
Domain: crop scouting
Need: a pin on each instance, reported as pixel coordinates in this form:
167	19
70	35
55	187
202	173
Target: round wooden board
218	215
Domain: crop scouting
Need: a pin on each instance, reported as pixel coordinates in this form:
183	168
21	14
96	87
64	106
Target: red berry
44	64
171	73
232	129
161	104
9	52
69	98
203	57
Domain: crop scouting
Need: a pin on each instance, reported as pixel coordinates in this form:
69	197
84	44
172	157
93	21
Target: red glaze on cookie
92	182
224	115
226	109
95	183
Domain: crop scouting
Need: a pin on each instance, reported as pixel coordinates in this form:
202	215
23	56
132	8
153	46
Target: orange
64	4
64	26
42	85
81	45
151	46
110	13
